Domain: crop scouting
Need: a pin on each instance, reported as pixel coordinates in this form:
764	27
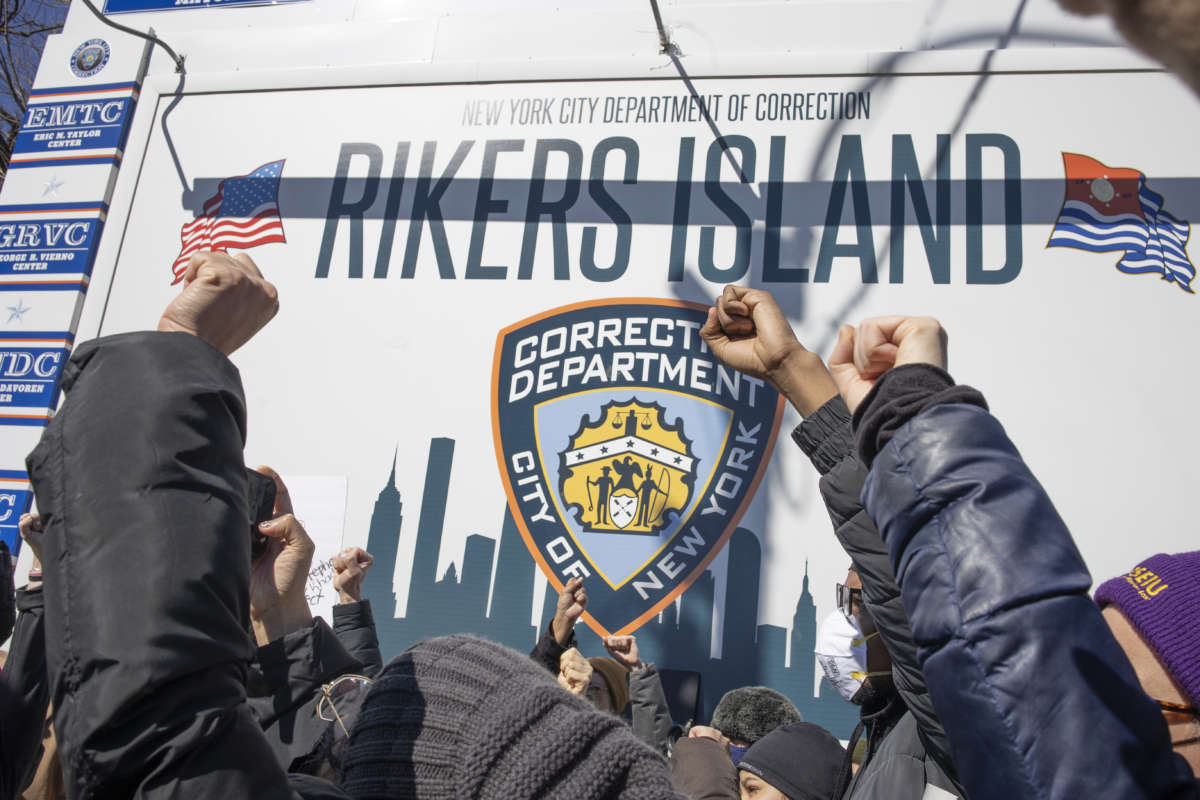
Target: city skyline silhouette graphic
681	638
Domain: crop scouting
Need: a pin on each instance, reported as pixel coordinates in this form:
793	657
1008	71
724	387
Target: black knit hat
801	760
462	717
751	712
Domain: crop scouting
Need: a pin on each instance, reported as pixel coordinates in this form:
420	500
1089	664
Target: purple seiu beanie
1161	599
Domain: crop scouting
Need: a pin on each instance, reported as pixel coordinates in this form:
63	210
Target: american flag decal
244	213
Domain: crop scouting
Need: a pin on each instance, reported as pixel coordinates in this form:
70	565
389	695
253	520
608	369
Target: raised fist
861	356
225	301
350	569
625	650
574	672
572	601
33	532
747	330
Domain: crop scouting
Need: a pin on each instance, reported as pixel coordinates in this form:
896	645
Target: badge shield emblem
627	452
634	470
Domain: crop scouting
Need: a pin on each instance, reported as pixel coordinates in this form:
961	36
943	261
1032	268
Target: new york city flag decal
627	451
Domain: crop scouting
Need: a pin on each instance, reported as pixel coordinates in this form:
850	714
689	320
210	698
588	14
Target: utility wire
133	32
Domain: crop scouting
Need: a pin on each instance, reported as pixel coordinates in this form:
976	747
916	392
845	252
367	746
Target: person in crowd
609	683
300	660
1166	30
748	713
149	686
796	761
800	761
30	754
560	634
459	716
1036	695
841	648
286	677
907	748
703	764
353	622
1154	613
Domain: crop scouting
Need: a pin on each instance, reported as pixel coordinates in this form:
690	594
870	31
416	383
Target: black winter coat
141	484
906	745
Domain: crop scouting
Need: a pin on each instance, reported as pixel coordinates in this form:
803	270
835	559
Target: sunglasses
848	599
346	691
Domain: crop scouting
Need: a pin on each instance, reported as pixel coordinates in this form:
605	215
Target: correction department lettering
565	186
591	353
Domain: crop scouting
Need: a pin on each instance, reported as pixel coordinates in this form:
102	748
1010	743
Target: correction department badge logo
89	58
628	453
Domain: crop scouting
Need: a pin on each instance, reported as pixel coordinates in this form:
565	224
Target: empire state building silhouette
457	602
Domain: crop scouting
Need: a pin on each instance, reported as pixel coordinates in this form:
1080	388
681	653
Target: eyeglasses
848	599
346	691
1177	708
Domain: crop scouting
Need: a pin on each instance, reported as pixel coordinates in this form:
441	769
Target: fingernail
265	525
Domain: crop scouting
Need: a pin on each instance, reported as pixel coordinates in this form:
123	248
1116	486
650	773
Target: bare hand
572	601
625	650
861	356
574	672
225	301
278	605
705	732
747	330
350	568
33	532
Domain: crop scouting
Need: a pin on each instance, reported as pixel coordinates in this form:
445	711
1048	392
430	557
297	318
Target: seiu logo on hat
627	452
1147	583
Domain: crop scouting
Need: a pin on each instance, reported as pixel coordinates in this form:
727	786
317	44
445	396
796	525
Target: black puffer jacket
141	484
22	721
906	745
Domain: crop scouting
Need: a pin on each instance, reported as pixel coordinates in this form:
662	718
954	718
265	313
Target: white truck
494	226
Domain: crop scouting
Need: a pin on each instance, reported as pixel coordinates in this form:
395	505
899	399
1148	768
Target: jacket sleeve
648	708
141	473
28	688
548	651
285	684
701	769
8	588
1037	698
354	626
826	438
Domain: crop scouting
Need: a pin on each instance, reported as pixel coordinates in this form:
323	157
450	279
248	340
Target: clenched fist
572	601
861	356
574	672
624	650
350	569
225	301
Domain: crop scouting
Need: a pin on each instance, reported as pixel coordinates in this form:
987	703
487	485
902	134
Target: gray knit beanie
749	713
461	717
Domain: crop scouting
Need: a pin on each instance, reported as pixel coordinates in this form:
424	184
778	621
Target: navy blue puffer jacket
1036	697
